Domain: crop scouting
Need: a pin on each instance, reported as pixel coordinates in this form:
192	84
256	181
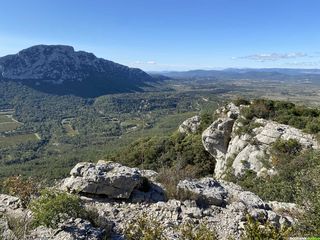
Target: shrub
255	231
300	117
144	228
308	194
164	152
25	189
191	231
170	177
241	101
313	126
286	147
206	121
53	207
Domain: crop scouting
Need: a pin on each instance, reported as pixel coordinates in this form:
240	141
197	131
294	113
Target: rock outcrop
244	151
191	125
217	136
117	198
220	204
112	180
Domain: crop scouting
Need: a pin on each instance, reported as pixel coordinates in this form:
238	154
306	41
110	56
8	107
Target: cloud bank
265	57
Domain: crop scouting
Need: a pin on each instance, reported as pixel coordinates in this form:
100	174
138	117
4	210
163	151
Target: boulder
207	190
191	125
104	178
113	180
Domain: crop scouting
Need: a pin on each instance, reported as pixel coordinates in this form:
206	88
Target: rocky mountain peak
59	69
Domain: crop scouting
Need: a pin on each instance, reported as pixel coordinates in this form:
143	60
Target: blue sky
171	34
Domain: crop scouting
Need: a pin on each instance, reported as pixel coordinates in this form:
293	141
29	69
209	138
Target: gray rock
247	151
104	178
206	189
191	125
73	229
5	232
9	202
112	180
217	136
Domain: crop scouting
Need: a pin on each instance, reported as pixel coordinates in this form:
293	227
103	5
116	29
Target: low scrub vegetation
145	228
178	150
148	228
254	230
192	231
23	188
54	207
301	117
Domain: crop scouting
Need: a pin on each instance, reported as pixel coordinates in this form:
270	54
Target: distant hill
247	73
61	70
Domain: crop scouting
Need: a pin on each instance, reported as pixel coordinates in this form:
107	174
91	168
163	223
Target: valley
49	130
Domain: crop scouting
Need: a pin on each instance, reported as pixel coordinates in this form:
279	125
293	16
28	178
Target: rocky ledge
120	194
244	151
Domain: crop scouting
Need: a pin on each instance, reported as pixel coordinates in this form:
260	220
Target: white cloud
265	57
151	62
305	64
138	62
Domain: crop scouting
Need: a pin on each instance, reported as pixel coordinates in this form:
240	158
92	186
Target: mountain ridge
59	69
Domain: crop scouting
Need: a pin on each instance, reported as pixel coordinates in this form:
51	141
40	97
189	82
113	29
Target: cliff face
239	151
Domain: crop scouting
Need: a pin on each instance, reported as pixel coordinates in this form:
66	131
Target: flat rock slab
104	178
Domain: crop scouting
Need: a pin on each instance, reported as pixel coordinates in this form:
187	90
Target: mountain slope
59	69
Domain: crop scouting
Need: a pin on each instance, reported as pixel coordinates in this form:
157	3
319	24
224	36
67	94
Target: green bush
254	230
144	228
300	117
191	231
165	152
285	148
241	101
53	207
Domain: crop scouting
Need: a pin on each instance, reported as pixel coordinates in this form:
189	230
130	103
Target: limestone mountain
61	70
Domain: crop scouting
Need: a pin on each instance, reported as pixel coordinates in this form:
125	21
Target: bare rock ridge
60	70
247	151
116	192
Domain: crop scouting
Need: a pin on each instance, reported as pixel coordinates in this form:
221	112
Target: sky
166	35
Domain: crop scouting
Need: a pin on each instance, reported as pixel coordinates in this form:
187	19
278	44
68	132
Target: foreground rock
73	229
221	205
243	151
191	125
112	180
